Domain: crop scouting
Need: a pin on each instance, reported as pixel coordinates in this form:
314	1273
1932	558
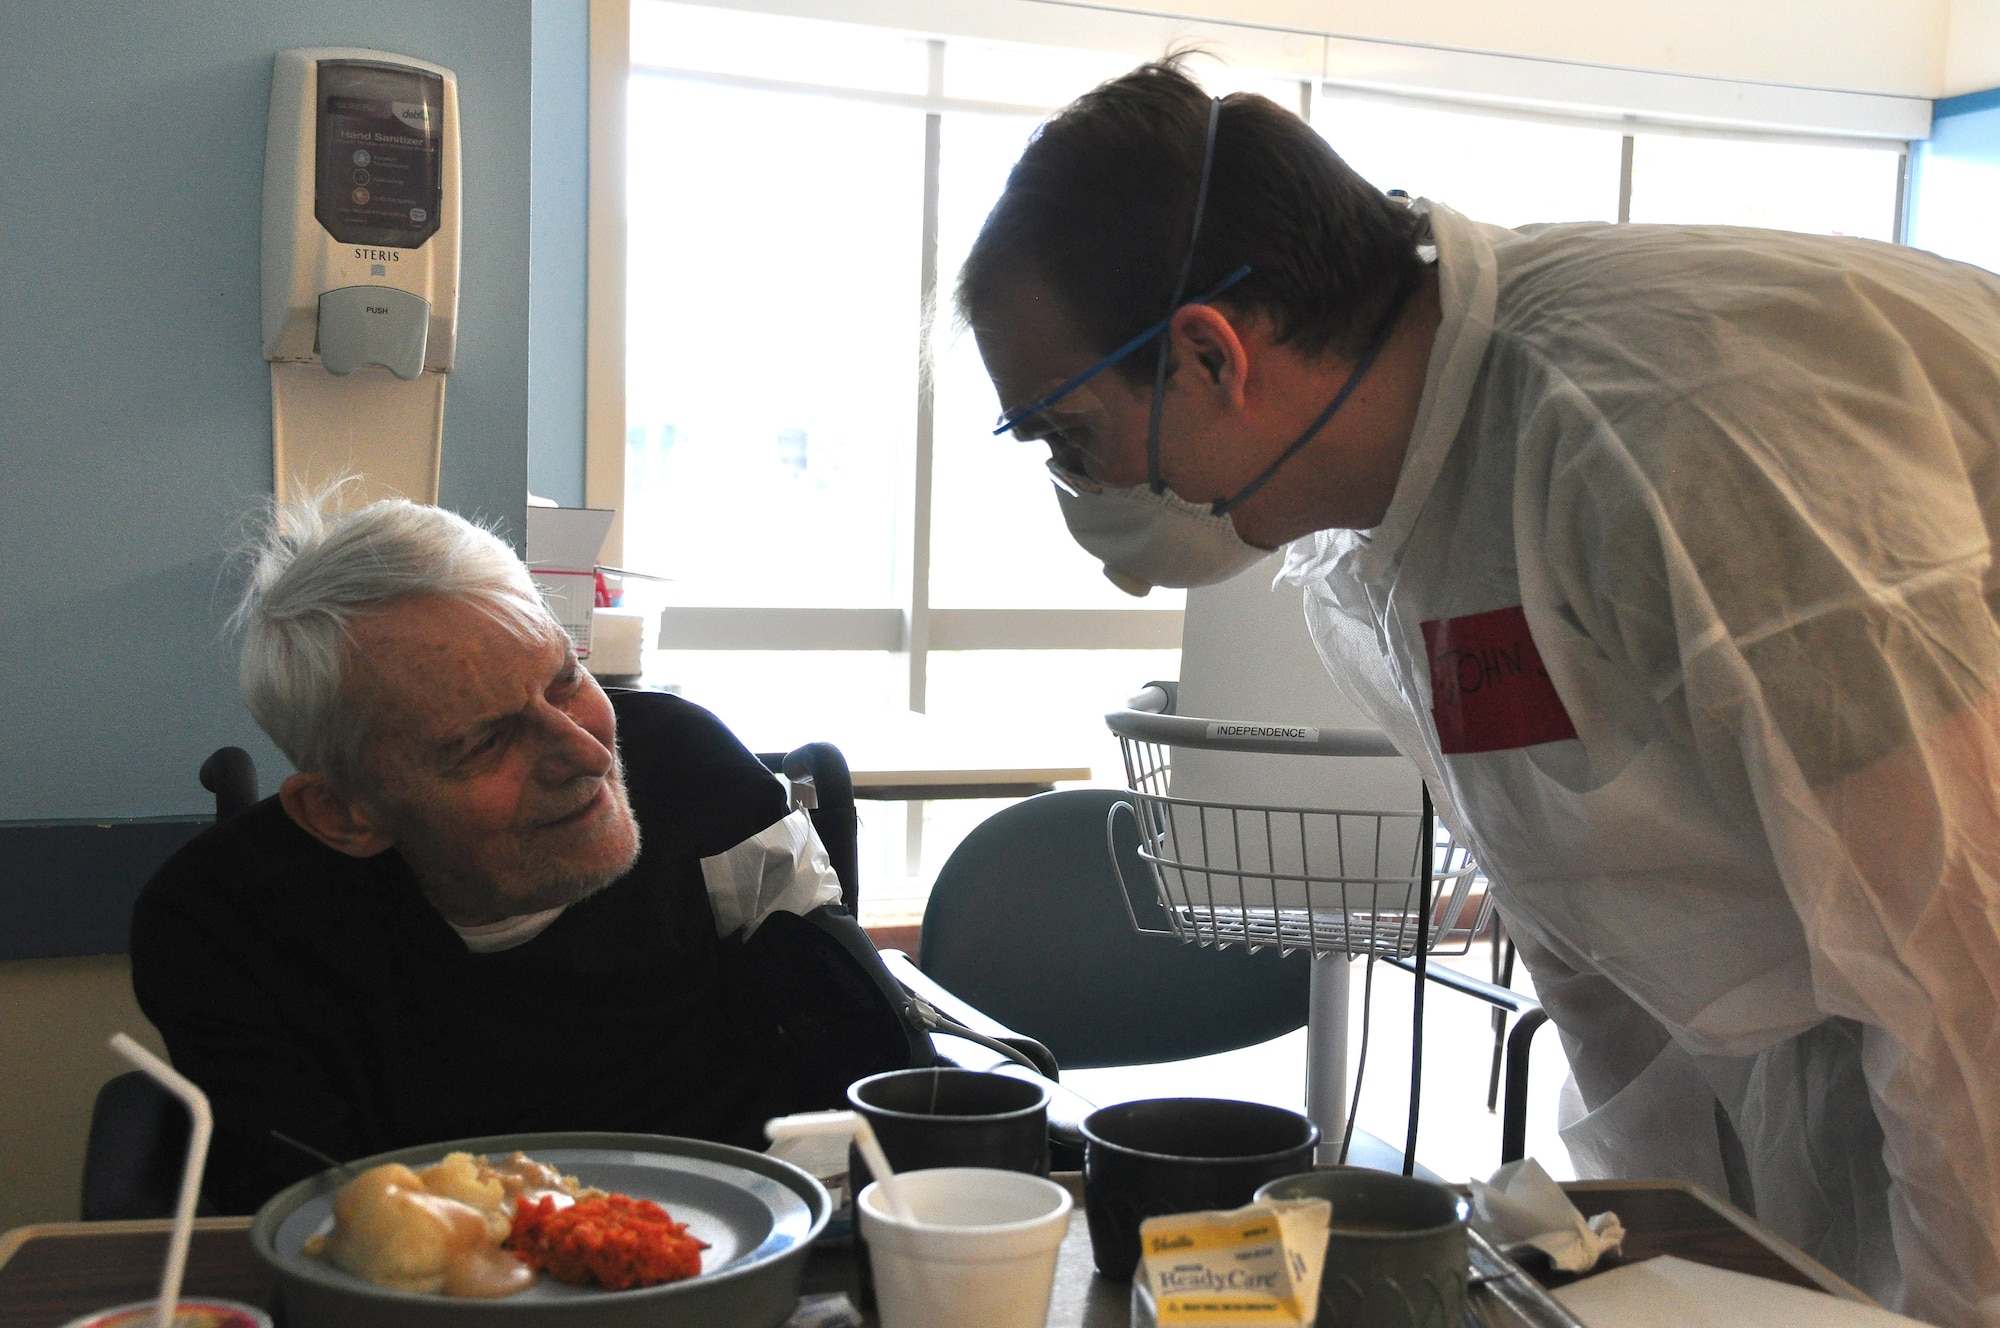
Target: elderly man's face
492	760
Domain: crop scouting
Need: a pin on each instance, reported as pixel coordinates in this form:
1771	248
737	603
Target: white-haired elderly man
492	898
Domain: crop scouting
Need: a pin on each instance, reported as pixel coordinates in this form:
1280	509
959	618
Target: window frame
1323	63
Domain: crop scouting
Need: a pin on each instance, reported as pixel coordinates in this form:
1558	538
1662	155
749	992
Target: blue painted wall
1955	181
559	247
134	403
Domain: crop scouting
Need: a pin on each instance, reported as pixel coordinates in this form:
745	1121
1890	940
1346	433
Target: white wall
1972	58
1879	46
1895	46
1917	49
58	1014
137	430
137	405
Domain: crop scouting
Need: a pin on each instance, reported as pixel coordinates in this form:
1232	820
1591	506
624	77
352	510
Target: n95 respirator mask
1147	537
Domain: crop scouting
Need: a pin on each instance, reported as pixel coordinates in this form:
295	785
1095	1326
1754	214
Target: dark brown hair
1101	204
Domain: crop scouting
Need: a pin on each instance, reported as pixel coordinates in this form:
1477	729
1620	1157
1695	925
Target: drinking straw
848	1123
332	1162
203	1124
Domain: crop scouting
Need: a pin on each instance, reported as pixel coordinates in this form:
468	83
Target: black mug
1396	1252
1179	1155
944	1117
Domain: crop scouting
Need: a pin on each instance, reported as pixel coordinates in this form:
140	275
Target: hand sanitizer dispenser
361	188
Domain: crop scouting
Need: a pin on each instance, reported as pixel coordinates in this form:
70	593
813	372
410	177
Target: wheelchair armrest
1504	998
946	1002
947	1008
1066	1107
1531	1016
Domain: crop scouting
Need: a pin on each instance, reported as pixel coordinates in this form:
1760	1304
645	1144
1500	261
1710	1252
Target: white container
189	1312
981	1251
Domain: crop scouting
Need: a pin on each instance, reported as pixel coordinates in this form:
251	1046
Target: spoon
314	1153
848	1124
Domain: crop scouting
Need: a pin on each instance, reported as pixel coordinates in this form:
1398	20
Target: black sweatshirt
322	996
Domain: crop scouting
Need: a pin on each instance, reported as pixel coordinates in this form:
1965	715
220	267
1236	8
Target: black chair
138	1130
1027	929
820	781
1027	923
231	776
138	1142
1528	1016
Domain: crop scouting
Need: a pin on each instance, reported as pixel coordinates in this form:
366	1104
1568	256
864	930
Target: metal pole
1326	1051
1625	181
917	591
1426	849
1514	1124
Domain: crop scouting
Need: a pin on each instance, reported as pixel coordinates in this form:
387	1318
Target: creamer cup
1252	1267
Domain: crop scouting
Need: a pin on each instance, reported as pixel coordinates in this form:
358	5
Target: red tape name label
1490	691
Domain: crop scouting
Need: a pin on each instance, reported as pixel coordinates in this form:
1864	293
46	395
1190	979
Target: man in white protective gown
1665	553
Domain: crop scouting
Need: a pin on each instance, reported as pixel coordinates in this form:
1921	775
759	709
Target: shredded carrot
613	1240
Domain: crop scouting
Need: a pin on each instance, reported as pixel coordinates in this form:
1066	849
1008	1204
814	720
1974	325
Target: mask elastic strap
1224	506
1153	479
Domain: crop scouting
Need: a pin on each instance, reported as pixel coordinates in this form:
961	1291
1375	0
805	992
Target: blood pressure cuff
838	1014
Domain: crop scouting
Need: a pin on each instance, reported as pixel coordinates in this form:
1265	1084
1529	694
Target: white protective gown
1737	489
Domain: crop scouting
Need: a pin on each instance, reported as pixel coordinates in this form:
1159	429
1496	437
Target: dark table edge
947	792
1804	1264
12	1241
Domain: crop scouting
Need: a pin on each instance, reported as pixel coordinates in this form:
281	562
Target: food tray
759	1216
1503	1295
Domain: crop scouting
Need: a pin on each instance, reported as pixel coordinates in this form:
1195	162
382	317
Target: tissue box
617	638
563	543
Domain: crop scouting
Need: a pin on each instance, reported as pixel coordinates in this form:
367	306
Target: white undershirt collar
491	937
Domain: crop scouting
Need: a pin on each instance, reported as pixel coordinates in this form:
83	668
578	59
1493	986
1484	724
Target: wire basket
1325	880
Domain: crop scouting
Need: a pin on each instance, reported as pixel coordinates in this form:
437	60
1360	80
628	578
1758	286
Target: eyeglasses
1019	420
1073	428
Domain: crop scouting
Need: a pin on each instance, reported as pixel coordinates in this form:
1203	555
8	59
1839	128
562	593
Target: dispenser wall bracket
360	266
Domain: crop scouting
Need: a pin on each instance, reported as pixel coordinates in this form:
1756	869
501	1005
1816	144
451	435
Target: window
1509	172
1818	188
808	448
1514	171
997	537
769	392
808	434
1955	182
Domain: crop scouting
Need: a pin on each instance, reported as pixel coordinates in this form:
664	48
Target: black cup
1179	1155
1395	1250
953	1118
937	1117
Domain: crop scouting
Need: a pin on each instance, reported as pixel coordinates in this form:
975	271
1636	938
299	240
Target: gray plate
757	1214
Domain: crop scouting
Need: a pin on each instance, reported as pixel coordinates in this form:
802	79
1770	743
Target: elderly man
1665	553
491	899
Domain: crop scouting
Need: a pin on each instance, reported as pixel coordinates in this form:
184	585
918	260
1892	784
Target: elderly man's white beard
466	897
567	887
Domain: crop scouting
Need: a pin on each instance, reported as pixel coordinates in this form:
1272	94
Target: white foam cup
981	1250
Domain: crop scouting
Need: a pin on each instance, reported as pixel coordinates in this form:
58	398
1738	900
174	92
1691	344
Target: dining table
903	757
938	781
54	1272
